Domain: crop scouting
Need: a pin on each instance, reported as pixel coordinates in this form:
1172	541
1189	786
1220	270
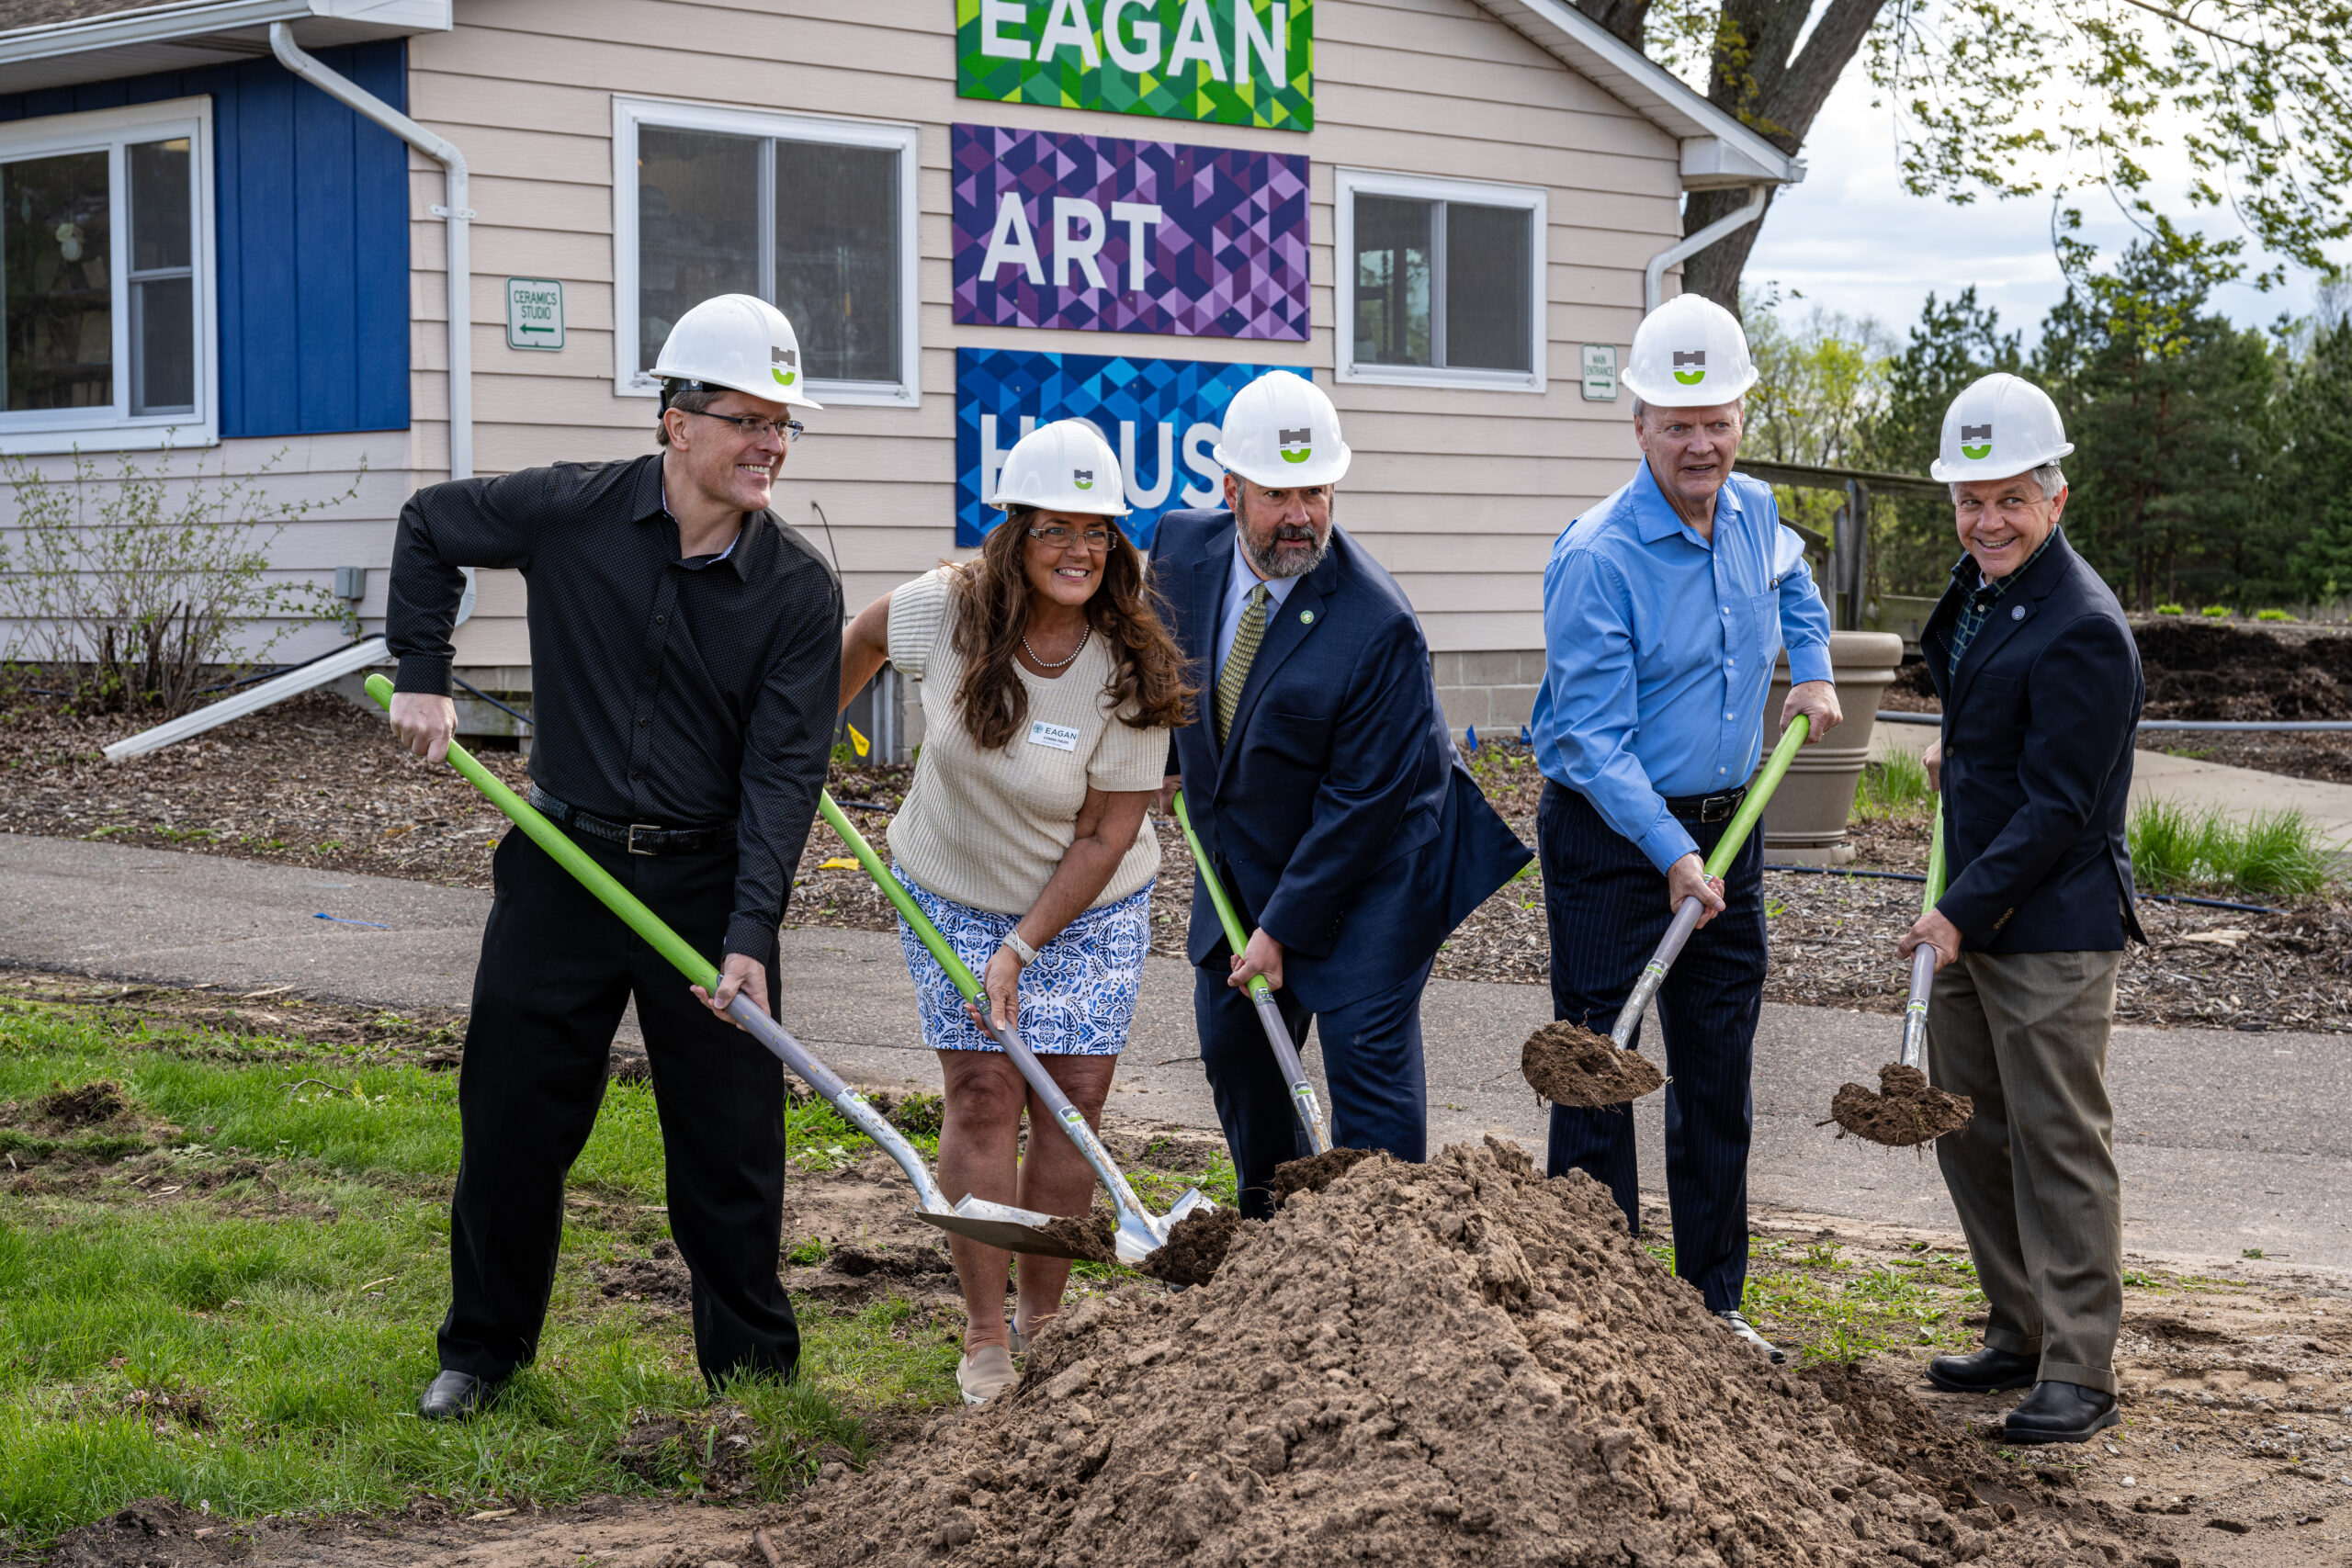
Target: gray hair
1739	406
2048	477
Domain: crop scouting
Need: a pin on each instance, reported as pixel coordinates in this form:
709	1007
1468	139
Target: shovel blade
1001	1225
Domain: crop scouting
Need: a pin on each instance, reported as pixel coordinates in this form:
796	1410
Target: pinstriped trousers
1606	907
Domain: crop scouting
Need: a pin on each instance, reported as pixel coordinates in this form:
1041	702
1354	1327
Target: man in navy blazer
2042	690
1320	776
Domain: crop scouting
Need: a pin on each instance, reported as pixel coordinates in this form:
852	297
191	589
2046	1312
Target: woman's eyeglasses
1060	536
785	430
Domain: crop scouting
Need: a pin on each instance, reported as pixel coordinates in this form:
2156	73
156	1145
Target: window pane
60	300
837	257
159	205
1392	280
698	226
1488	251
163	345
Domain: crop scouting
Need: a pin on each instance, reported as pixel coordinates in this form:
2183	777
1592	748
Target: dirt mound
1315	1172
1459	1362
1197	1246
660	1278
1908	1109
1568	1064
89	1105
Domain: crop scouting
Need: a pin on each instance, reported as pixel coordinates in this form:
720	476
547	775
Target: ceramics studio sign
1100	233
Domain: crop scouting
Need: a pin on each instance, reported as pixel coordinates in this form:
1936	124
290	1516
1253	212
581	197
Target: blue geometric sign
1161	416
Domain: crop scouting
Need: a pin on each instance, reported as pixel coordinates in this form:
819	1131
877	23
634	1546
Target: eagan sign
1233	62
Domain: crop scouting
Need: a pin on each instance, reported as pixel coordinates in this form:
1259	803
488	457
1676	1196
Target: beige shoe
984	1373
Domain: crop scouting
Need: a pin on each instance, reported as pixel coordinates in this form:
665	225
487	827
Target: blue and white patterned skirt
1078	999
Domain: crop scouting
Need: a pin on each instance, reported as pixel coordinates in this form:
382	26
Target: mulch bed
317	782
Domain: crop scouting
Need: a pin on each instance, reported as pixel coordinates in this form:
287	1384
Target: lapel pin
1306	617
2017	611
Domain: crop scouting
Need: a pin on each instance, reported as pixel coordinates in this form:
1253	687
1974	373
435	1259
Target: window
106	286
1442	282
816	215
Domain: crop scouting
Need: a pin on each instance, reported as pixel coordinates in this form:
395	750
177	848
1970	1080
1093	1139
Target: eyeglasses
785	430
1057	536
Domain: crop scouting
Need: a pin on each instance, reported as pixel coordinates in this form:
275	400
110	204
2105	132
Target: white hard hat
1281	431
1689	352
737	341
1062	467
2002	425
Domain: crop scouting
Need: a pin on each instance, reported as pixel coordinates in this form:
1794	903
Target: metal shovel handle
1262	996
1923	957
1025	1061
1686	918
657	934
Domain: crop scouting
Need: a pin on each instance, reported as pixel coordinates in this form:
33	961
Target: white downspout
460	216
1654	275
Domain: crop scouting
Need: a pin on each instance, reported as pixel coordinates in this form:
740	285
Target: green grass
2178	847
2215	612
256	1341
2272	615
2171	610
1897	787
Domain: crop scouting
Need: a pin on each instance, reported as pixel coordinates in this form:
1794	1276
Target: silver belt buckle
634	830
1715	809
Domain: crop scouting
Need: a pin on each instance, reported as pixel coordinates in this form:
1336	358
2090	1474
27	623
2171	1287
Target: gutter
460	217
1654	275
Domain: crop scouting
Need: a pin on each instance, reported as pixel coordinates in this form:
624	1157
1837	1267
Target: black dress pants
1606	906
558	969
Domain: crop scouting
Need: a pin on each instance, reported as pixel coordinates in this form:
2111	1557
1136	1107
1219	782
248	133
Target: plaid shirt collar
1978	606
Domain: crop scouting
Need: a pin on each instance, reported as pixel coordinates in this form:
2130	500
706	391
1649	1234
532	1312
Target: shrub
2272	615
2175	847
1895	787
132	589
2170	610
2216	612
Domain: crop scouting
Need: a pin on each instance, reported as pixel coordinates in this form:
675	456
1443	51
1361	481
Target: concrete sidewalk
2227	1141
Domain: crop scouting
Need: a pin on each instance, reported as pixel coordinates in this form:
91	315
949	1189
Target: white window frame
629	113
1353	182
117	429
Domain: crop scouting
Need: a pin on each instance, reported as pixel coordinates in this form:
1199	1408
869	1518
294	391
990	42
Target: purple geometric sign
1099	233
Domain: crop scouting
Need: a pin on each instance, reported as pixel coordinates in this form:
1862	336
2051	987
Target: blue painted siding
312	226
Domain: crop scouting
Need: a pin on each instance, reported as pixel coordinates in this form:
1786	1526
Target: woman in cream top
1049	687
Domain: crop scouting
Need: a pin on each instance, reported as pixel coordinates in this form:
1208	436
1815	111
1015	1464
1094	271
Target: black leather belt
637	837
1706	809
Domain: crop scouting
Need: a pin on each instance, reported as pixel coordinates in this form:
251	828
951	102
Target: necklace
1044	663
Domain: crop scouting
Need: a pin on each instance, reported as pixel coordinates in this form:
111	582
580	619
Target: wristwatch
1019	949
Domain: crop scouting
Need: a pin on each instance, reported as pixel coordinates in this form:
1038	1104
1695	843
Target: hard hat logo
1975	441
1695	357
1082	477
1295	445
2031	432
784	364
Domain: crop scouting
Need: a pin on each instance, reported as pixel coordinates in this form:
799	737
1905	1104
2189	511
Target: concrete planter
1805	823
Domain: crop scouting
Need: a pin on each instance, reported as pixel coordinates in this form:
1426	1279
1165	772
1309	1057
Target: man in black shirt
685	650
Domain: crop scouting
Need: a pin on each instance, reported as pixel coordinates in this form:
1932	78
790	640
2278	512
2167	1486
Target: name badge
1053	735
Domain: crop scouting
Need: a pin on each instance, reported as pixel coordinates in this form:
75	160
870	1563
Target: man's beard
1270	564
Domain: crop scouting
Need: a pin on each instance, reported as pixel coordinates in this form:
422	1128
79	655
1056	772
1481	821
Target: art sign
1234	62
1161	416
1097	233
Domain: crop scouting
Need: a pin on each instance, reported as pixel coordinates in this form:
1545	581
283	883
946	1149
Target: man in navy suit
1320	777
2042	690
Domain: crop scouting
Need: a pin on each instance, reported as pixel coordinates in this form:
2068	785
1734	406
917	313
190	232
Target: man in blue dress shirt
1665	608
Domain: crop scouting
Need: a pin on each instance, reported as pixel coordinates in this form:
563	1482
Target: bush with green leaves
132	589
2215	612
2272	615
2170	610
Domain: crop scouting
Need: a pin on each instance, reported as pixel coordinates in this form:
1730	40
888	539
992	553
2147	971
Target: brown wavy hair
992	612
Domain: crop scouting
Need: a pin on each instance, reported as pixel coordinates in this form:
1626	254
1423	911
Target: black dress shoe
1984	1372
2060	1413
453	1396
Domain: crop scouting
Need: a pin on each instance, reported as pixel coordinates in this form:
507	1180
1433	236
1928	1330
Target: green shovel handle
909	911
1760	793
569	855
1233	934
1935	858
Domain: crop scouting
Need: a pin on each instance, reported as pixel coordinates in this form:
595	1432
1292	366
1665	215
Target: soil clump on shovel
1315	1172
1454	1363
1092	1238
1568	1064
1908	1109
1196	1249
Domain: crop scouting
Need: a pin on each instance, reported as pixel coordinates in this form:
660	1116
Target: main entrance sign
1161	416
1234	62
1097	233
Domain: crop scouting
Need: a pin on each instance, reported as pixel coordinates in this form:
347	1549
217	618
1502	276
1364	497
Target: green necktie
1246	638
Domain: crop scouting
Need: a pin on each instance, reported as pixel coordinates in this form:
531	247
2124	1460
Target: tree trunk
1624	18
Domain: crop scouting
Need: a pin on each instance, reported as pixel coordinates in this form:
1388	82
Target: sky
1850	240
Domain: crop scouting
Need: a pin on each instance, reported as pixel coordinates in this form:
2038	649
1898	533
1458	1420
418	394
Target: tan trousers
2025	1035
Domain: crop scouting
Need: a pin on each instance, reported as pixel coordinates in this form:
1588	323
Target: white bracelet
1019	949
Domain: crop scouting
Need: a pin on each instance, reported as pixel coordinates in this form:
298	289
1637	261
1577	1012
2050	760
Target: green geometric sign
1231	62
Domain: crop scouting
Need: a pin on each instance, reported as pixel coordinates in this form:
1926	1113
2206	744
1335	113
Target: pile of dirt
1459	1362
86	1105
2212	670
1315	1172
1568	1064
1197	1246
1906	1111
